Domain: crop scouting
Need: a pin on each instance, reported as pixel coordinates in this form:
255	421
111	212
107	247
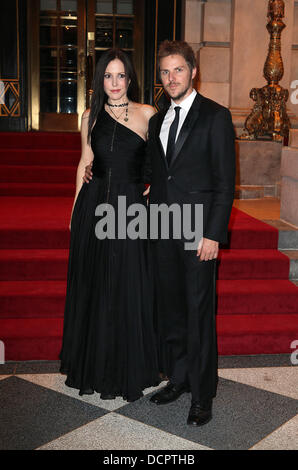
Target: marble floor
256	408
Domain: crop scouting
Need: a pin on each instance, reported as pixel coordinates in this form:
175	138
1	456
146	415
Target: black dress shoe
200	414
168	394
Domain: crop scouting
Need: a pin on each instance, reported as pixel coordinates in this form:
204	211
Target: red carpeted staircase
257	304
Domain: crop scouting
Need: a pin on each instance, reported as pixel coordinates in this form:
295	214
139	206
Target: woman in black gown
108	336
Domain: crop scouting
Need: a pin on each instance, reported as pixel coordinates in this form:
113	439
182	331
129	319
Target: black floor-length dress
108	335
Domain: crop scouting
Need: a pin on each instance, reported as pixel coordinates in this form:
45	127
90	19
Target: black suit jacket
202	170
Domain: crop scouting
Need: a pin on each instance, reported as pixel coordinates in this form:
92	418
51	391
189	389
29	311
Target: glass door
67	39
60	60
116	23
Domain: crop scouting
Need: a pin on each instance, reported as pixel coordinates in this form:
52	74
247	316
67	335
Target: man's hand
145	193
88	173
207	249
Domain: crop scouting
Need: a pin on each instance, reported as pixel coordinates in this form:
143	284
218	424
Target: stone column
208	31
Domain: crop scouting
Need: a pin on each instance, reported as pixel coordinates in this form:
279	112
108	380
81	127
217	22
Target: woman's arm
87	156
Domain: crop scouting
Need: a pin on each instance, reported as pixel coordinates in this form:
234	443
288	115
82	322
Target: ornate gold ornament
269	116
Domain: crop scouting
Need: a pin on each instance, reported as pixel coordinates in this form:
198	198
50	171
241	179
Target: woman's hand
88	173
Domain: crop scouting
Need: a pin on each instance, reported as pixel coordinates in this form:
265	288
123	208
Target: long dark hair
99	96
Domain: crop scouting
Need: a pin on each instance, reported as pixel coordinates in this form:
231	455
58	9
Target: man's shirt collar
186	103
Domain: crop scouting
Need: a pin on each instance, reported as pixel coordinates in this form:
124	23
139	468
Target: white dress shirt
185	106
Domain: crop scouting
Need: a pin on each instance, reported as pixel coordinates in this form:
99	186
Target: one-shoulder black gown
108	334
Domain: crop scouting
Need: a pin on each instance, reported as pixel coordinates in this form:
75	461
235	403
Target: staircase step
256	334
30	236
237	335
39	226
38	189
247	232
48	264
253	264
39	238
41	140
35	222
293	257
265	297
33	264
35	299
37	173
31	338
39	157
32	299
288	234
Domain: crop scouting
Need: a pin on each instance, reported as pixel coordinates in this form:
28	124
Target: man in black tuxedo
192	153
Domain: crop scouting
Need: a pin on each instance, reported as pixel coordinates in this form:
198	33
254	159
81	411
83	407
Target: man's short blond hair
182	48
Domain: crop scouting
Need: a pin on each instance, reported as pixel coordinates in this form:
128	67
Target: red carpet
257	304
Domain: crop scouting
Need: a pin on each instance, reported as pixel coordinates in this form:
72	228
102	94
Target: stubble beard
182	93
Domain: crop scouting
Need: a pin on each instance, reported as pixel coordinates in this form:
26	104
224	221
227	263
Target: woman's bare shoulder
149	110
145	110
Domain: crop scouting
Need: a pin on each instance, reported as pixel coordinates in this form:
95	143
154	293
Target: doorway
67	39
